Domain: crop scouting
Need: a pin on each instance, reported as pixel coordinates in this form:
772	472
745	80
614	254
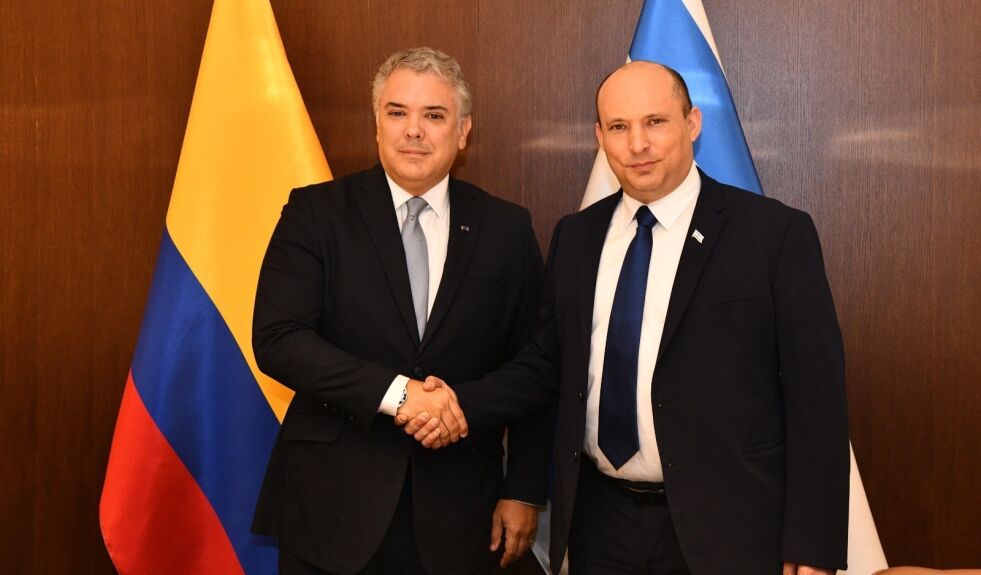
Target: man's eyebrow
646	117
438	107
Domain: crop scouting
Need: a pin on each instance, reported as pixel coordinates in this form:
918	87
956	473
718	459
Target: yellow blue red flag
198	419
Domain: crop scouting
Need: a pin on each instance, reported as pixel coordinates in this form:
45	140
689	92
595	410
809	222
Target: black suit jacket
334	322
748	391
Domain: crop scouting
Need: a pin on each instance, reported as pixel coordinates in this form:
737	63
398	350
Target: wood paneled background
865	114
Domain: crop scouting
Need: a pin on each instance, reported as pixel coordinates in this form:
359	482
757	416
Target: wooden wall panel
94	102
955	282
18	306
539	68
334	49
867	115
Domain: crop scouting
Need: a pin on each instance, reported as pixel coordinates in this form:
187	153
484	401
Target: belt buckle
644	496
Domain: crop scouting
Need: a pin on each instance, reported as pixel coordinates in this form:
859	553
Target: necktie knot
415	206
645	218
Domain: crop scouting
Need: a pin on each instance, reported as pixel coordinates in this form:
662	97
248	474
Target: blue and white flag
676	33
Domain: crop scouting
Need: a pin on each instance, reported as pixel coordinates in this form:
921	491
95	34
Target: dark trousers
397	554
614	534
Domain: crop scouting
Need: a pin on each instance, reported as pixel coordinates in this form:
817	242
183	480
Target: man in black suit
690	331
396	272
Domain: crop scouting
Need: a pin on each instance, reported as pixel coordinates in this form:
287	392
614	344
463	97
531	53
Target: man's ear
465	125
694	120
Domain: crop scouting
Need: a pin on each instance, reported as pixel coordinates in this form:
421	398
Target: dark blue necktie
618	435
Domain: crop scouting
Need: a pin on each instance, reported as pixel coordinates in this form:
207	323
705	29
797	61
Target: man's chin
647	185
415	172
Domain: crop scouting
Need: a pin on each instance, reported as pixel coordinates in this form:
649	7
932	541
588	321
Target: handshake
431	413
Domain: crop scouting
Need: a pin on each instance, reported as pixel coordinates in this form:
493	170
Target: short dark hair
680	87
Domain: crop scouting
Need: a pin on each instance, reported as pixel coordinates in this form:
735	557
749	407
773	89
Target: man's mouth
641	166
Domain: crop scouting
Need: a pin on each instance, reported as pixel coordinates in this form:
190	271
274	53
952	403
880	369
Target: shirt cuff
390	402
537	506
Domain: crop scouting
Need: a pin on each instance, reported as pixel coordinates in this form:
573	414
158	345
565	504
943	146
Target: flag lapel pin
698	236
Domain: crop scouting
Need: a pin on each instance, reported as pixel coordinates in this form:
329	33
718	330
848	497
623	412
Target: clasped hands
431	413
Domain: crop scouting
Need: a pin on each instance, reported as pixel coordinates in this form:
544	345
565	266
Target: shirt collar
668	209
437	197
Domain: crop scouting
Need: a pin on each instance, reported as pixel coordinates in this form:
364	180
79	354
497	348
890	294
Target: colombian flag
198	419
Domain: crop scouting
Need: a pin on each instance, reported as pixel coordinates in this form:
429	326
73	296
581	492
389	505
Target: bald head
647	127
679	85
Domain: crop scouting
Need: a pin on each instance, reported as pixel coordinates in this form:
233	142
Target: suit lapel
464	230
594	236
708	220
375	203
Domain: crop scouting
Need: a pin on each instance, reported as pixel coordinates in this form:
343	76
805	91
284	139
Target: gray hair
425	60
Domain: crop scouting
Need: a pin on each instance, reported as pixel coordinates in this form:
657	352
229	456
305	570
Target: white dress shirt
435	223
673	213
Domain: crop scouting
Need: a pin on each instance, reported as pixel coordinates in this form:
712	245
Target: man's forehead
406	87
650	88
645	76
406	75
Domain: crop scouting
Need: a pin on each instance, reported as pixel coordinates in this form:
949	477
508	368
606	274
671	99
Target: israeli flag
676	33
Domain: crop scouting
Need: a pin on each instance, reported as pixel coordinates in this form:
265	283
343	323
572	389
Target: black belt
640	492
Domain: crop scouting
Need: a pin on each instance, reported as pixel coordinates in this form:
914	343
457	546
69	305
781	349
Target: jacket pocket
744	316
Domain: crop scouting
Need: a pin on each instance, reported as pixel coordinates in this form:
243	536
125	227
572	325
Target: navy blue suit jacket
334	321
748	392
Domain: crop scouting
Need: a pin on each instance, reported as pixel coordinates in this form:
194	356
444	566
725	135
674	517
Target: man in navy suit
689	332
371	282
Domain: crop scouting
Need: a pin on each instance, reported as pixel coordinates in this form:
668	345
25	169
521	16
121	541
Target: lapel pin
464	228
698	236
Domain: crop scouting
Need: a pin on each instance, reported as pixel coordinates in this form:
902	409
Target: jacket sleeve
527	384
529	441
289	305
812	375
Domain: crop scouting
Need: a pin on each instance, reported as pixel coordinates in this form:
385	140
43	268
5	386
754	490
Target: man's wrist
405	395
392	399
536	506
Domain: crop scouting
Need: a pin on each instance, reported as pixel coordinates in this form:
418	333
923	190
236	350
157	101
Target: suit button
581	396
575	455
418	372
659	404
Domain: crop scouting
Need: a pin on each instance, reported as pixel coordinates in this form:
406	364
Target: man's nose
637	140
413	129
